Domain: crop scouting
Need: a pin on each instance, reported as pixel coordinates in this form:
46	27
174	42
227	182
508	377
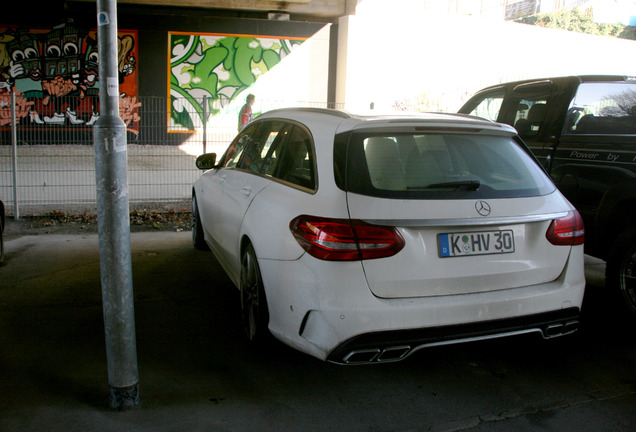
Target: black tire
198	240
254	312
620	271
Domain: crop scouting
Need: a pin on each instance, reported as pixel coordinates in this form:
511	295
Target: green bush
581	22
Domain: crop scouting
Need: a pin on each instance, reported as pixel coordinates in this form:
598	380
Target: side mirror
206	161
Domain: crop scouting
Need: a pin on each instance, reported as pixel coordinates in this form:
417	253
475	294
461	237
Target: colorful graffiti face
218	68
24	52
91	64
55	74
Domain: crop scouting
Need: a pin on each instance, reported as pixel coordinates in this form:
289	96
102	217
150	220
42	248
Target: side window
272	137
235	151
489	106
260	142
296	161
530	116
602	109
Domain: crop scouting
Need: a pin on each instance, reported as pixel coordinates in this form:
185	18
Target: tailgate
448	255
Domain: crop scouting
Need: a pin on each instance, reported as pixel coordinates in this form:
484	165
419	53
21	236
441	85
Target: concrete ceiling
318	8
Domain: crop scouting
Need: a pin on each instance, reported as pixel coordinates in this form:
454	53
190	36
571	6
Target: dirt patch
59	222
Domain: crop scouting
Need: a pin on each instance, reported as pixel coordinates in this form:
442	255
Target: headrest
536	113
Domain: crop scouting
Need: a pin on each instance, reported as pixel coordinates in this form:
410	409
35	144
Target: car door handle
246	190
222	179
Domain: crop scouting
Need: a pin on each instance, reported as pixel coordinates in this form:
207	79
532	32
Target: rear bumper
327	310
382	347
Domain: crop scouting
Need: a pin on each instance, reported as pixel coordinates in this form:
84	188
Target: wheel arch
617	212
245	241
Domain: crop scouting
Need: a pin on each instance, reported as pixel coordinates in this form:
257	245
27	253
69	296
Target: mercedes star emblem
482	207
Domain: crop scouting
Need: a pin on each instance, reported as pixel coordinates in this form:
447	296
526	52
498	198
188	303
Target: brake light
344	239
567	231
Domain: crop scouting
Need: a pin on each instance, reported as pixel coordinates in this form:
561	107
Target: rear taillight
344	239
567	231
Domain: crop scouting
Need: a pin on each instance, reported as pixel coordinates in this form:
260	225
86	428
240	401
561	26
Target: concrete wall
250	58
408	56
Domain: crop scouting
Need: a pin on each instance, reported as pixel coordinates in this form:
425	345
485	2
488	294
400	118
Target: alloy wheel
627	279
253	308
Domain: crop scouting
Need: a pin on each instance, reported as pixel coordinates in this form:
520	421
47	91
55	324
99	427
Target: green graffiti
217	69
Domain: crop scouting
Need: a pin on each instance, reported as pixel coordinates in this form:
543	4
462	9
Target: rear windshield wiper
466	184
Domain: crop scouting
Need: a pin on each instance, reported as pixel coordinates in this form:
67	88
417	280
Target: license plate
476	243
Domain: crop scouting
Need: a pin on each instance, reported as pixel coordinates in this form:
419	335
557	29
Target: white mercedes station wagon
364	239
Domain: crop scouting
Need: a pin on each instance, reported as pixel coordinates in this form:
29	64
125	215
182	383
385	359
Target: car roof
575	78
345	121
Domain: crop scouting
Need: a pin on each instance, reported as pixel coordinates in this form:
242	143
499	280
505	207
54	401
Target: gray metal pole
14	146
109	136
205	123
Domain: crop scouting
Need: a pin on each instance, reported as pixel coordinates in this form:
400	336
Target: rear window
442	166
603	109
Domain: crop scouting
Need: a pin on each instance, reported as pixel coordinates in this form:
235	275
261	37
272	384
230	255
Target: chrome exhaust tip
560	329
393	353
377	355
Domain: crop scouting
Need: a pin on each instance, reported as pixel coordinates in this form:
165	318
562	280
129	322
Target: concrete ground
196	374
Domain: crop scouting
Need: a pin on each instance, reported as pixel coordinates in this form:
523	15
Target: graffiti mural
54	73
216	68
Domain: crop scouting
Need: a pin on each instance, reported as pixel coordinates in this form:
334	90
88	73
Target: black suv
583	131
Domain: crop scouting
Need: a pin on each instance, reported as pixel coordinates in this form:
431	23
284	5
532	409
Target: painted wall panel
211	74
55	75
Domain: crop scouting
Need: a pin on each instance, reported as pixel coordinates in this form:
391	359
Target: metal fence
54	152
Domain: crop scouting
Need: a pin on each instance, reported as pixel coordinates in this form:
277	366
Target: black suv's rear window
440	166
